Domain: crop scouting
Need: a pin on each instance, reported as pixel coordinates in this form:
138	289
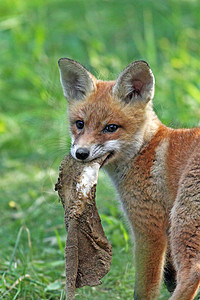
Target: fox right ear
77	82
135	83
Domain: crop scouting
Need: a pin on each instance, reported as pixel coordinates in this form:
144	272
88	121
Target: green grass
104	36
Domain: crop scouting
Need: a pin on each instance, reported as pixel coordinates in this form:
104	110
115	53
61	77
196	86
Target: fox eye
79	124
111	128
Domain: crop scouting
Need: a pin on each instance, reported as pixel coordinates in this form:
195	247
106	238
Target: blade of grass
15	248
149	36
17	243
59	241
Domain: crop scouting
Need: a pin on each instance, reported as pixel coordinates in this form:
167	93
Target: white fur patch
73	150
88	179
113	145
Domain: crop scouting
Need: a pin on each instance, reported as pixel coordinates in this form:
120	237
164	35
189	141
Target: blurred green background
104	36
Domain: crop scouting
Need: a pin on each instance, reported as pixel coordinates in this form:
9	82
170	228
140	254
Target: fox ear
76	81
135	83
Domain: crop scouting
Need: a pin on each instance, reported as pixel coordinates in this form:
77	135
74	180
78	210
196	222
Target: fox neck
118	168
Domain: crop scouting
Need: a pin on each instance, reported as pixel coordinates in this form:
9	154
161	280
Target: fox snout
82	153
91	152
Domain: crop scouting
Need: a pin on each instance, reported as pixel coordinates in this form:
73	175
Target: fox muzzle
82	153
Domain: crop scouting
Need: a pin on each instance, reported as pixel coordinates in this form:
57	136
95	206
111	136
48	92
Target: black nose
82	153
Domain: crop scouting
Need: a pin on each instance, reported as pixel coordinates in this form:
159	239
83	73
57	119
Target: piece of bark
87	253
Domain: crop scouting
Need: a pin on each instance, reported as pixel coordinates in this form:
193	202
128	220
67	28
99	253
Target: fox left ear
77	82
135	83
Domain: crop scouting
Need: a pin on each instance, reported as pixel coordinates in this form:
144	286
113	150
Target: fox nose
82	153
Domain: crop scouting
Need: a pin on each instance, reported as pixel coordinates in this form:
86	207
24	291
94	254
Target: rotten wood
87	253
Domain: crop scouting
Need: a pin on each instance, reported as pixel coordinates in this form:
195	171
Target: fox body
155	169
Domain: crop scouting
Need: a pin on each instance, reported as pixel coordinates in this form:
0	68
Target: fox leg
187	260
185	232
186	252
149	261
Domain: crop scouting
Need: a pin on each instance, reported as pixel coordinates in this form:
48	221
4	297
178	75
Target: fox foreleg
149	262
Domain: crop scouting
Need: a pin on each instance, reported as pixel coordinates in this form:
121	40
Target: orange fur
181	146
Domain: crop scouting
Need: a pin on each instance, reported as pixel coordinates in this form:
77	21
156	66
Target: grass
104	36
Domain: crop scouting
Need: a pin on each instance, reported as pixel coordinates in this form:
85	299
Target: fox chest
143	190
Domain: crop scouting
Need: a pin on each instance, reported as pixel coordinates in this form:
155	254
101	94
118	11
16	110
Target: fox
155	170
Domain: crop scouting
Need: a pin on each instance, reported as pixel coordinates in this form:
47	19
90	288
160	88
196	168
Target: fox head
106	117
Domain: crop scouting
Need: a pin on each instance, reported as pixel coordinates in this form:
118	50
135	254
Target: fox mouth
108	158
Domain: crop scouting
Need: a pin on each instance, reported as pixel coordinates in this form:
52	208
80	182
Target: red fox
155	169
